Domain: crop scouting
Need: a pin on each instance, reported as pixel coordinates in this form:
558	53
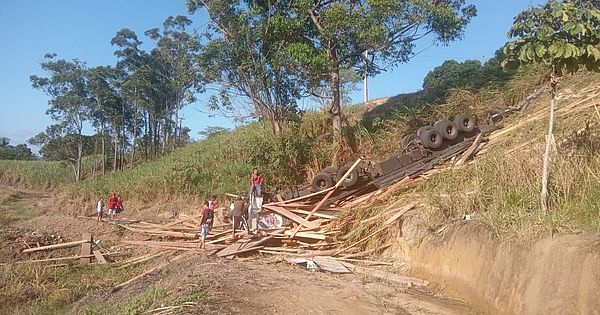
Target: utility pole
366	79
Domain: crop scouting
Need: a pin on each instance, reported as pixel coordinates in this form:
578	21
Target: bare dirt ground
208	285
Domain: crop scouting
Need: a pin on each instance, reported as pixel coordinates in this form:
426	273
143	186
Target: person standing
212	205
119	205
205	222
99	209
112	206
256	181
238	219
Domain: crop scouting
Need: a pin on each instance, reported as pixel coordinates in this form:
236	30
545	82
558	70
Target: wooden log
55	246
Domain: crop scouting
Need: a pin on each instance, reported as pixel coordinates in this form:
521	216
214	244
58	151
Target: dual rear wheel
432	137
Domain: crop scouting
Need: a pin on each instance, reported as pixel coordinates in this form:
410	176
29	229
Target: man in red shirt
112	205
206	218
256	181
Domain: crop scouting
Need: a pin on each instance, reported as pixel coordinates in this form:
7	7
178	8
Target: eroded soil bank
556	275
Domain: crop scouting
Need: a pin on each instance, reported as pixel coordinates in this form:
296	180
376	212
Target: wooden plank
157	268
86	248
55	246
316	214
388	276
292	216
469	151
299	198
241	251
99	257
143	258
231	249
338	184
327	263
315	236
52	259
385	225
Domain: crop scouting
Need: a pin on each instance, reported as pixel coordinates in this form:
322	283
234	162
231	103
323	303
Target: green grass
37	289
36	174
13	209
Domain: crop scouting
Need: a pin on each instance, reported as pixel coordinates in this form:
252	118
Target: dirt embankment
557	275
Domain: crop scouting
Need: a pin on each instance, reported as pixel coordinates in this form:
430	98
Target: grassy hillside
501	188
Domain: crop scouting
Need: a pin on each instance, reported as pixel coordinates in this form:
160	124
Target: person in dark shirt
206	218
238	210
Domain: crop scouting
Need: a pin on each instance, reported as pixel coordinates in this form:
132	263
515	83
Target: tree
176	49
563	35
244	58
103	91
69	99
326	36
18	152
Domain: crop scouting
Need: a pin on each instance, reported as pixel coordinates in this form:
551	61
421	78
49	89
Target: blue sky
83	29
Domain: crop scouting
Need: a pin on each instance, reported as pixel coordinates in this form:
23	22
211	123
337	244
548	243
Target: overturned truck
419	153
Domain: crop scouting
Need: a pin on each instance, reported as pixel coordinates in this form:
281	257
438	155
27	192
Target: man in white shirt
99	209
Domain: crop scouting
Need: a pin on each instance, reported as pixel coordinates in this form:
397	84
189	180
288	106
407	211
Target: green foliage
18	152
219	164
246	61
561	34
470	75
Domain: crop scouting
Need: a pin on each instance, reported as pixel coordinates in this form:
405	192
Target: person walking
205	222
112	205
99	209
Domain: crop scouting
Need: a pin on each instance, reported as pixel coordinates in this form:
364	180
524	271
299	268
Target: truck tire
409	138
423	129
352	178
465	122
330	169
321	181
447	128
431	139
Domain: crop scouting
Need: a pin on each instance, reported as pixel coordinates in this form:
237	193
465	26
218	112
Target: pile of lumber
307	226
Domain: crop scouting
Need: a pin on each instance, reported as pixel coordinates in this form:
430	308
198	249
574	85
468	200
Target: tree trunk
544	192
116	144
79	155
335	109
122	152
95	155
103	151
276	124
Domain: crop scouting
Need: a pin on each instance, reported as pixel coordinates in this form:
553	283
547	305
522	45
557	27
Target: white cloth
100	206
